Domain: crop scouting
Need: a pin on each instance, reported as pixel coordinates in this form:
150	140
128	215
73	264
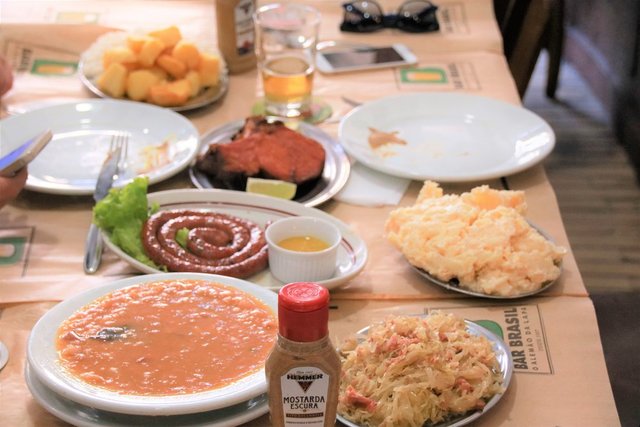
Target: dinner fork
112	169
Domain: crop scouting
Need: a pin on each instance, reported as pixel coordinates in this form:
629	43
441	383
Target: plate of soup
159	344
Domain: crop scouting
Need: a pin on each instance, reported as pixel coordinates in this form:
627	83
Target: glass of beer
286	36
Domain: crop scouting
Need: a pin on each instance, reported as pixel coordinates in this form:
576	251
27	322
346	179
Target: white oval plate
161	143
84	416
450	137
452	286
89	76
207	96
352	252
503	355
43	359
334	175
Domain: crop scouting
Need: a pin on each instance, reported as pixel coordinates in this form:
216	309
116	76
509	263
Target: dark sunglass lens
368	9
417	16
414	7
361	16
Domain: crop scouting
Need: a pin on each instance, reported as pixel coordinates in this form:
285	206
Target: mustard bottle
303	368
236	33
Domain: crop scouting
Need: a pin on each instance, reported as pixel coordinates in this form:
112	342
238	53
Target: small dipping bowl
289	265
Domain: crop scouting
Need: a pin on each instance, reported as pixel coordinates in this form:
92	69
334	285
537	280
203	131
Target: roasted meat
264	149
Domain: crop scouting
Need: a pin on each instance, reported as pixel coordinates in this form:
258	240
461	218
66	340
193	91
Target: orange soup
167	338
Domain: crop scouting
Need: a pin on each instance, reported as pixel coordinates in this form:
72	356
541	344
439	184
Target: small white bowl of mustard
302	249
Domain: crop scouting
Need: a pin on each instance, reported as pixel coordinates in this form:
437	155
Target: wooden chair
528	26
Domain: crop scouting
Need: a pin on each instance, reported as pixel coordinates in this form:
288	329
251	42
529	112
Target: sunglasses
413	16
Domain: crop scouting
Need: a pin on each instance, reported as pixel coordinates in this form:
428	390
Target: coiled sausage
216	243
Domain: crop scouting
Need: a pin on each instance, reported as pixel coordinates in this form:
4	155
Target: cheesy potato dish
479	238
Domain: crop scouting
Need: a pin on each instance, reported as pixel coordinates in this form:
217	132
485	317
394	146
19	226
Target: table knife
93	244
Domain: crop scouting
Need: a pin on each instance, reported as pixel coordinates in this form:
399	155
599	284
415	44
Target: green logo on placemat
427	75
492	326
11	250
46	67
68	17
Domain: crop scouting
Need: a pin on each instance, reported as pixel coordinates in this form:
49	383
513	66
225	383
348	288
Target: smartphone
21	156
342	59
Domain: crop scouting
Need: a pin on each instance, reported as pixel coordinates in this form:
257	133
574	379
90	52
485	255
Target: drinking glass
286	36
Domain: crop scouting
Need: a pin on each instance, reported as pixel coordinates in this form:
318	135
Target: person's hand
10	187
6	76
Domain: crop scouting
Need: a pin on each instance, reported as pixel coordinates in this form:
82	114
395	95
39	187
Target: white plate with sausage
352	252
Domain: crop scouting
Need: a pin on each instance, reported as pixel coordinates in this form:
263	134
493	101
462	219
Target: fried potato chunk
149	51
209	69
170	36
170	94
188	53
176	68
139	84
118	54
113	81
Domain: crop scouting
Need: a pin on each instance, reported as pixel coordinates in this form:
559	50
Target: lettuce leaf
182	236
122	214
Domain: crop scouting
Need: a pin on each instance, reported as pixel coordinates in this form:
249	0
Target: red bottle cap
303	311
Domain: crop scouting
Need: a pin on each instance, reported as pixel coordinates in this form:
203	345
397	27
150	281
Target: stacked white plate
81	404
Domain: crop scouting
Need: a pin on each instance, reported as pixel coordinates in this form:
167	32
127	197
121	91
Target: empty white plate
448	137
161	143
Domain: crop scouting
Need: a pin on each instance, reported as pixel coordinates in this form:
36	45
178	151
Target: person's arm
10	187
6	76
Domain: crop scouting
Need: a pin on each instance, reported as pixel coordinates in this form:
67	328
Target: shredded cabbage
412	370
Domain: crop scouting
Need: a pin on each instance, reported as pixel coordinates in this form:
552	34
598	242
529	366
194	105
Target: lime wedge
272	187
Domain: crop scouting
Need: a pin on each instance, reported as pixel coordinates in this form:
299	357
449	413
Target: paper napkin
367	187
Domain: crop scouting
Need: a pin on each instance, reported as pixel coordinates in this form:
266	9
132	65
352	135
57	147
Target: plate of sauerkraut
437	370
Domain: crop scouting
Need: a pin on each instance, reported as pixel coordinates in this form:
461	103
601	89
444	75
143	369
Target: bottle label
304	396
245	33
